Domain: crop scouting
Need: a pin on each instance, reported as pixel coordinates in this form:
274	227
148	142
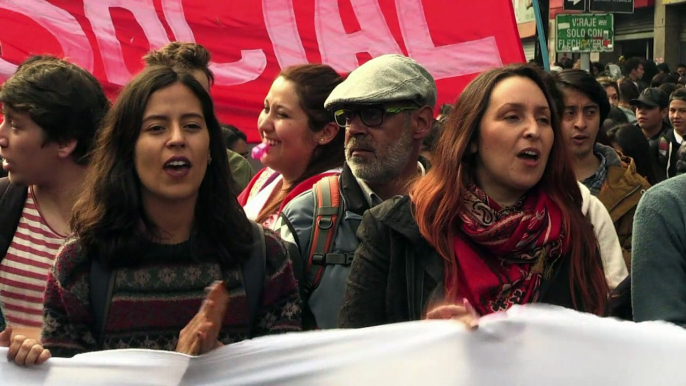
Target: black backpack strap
12	199
294	250
101	286
253	272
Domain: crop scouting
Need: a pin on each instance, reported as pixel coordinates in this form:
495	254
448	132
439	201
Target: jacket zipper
625	197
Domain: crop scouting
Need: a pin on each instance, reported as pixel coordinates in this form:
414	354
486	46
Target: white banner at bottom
530	345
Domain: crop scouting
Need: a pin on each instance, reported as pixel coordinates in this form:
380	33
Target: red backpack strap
305	186
327	215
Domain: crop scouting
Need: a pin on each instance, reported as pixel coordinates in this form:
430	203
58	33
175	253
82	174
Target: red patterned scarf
503	253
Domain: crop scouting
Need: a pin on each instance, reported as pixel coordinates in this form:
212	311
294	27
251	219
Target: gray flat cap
386	78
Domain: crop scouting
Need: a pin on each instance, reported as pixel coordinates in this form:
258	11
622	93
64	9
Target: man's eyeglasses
371	116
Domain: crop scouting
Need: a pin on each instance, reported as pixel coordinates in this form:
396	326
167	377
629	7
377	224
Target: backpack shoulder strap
253	272
101	286
12	199
327	216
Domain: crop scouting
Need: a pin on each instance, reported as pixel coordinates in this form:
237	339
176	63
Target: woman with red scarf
497	221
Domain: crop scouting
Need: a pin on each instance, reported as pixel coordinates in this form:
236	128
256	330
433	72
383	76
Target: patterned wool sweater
153	301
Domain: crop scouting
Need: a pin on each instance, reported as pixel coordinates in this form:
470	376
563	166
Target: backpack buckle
333	258
319	259
325	223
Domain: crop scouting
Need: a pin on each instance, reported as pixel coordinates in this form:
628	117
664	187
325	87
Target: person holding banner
52	110
158	216
497	220
303	142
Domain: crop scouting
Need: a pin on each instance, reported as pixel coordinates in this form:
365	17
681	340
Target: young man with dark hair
608	175
651	111
675	137
236	140
187	56
633	69
681	69
627	92
195	59
668	88
611	88
52	110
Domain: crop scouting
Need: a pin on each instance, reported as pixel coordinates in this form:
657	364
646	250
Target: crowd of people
140	224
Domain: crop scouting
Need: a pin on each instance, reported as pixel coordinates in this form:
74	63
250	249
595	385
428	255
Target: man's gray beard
383	170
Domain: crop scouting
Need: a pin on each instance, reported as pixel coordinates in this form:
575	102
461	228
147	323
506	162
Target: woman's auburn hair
109	217
437	213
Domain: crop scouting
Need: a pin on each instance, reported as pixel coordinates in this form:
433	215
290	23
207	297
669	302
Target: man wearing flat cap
386	107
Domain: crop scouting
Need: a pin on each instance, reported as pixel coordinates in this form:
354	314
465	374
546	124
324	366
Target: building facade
656	31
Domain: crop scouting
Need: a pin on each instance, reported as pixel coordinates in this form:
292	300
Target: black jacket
668	149
663	149
12	198
396	275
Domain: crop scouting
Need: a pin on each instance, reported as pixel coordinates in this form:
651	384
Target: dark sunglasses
371	116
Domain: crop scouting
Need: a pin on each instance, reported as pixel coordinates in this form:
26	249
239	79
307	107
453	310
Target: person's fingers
44	356
446	312
33	354
24	350
188	343
17	341
467	320
207	306
208	335
199	318
453	311
6	337
205	327
433	314
194	348
470	309
214	291
472	320
220	297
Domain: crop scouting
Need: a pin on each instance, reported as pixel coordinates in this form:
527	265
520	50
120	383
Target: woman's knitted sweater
154	300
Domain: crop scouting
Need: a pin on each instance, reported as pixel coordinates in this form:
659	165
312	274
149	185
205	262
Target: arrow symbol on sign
574	2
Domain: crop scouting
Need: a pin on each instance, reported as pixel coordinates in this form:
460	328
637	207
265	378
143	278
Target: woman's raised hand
463	313
201	333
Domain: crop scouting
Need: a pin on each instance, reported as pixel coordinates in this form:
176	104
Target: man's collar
352	193
372	198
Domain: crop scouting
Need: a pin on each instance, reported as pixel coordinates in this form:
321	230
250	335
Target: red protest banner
251	41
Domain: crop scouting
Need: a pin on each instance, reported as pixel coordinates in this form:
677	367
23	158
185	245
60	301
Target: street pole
586	56
541	10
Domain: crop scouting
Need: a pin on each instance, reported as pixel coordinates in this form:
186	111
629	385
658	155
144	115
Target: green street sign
585	33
